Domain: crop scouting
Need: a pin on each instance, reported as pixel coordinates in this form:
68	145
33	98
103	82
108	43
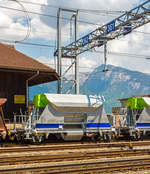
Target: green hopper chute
136	103
40	101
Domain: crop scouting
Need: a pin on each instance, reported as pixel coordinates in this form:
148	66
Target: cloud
101	19
45	27
5	21
14	27
11	30
85	64
136	44
47	61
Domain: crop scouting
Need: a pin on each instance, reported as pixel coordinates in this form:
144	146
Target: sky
35	21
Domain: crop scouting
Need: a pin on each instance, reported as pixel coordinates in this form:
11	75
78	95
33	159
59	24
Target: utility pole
59	57
105	55
59	52
76	58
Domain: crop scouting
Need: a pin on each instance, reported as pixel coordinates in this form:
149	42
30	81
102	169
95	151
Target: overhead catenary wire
27	43
53	46
138	32
120	54
79	9
125	54
53	16
47	15
28	22
102	11
22	30
50	37
94	70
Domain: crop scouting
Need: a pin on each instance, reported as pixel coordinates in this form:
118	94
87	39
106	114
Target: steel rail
73	146
34	158
82	166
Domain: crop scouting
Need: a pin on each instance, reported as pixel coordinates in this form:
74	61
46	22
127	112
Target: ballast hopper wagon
67	116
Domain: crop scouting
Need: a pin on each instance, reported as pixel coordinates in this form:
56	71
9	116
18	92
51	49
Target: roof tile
10	58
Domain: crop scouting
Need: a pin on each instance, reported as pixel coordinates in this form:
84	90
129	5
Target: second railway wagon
70	117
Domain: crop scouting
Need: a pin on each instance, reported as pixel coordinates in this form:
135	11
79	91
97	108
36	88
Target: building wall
12	84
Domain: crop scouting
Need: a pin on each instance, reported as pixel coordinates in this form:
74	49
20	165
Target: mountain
114	84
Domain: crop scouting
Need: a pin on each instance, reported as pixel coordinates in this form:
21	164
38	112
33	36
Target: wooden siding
11	84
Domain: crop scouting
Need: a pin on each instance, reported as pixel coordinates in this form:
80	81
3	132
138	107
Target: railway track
33	148
94	166
51	157
75	158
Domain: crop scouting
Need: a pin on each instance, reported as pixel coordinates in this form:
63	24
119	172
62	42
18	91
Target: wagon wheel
106	138
18	138
38	139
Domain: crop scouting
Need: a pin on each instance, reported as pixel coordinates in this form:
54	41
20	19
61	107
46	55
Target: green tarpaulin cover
136	103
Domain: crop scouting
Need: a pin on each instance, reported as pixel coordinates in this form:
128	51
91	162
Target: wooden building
17	72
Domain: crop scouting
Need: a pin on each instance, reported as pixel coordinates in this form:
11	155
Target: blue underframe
97	125
53	125
142	124
56	125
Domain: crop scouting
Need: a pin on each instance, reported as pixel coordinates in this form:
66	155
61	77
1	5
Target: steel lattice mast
122	25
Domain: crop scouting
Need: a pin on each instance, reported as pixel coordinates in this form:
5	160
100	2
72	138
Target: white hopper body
72	115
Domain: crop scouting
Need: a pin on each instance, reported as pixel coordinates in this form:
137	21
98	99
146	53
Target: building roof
142	95
15	61
123	99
